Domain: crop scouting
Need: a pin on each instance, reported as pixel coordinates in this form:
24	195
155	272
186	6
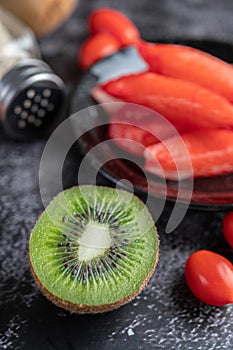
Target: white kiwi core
95	240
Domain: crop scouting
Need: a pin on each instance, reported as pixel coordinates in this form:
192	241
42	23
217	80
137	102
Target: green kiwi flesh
93	249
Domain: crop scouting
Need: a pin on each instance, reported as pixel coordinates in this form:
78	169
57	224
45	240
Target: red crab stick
189	64
139	124
210	151
97	47
108	20
179	101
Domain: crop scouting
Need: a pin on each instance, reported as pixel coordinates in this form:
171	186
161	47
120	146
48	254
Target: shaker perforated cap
31	98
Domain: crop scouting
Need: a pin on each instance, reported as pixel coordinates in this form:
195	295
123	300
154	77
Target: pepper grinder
31	95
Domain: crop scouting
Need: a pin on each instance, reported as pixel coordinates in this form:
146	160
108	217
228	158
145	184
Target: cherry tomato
228	228
210	277
106	20
97	47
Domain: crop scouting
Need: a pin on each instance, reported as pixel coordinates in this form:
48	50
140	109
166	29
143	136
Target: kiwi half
93	249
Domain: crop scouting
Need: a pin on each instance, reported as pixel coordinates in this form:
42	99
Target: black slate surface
165	315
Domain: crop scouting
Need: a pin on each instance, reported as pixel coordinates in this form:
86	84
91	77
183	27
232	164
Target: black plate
208	193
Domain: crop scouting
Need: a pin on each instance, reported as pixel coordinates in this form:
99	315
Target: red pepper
181	102
210	151
187	63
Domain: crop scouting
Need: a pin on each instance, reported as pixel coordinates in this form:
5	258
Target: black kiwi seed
80	221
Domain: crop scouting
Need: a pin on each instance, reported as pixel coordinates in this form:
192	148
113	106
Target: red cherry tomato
97	47
106	20
210	277
228	228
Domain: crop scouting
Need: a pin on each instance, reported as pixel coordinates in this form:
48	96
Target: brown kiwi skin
85	308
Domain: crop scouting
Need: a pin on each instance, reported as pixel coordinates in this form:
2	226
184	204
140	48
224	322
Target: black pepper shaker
31	95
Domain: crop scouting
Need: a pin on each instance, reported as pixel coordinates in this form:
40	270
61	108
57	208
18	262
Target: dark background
165	315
